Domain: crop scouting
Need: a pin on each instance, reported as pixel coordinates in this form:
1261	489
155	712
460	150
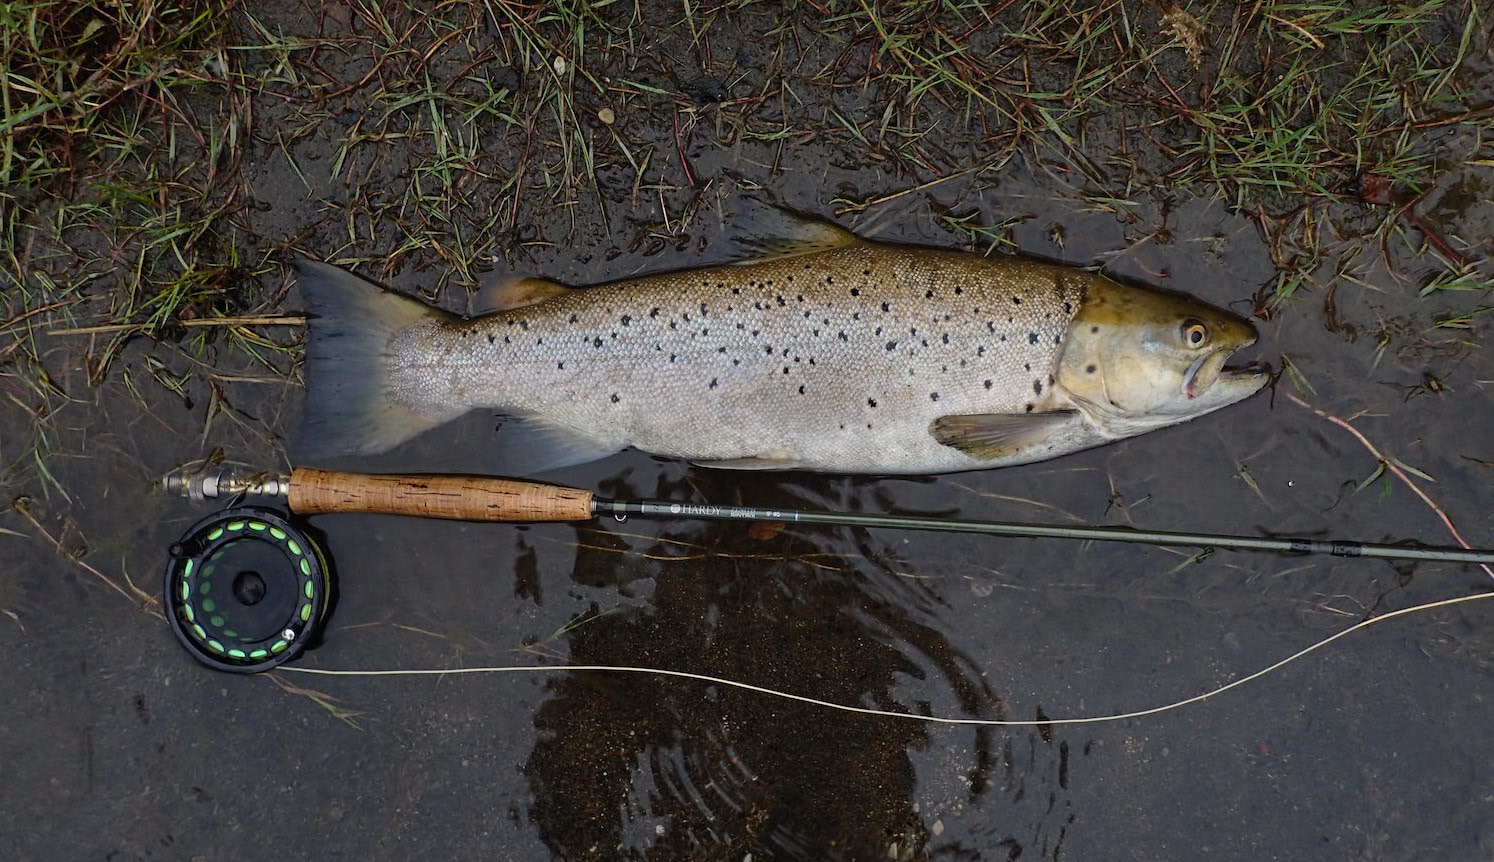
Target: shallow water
119	746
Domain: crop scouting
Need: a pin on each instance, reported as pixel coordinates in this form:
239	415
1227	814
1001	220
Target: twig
22	507
252	320
1390	464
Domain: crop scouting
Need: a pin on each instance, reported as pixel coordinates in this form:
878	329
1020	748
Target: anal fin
989	436
528	444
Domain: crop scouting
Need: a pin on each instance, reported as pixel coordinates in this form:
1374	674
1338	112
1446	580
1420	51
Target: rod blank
1337	548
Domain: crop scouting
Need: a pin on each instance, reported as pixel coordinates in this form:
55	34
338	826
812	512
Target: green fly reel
245	591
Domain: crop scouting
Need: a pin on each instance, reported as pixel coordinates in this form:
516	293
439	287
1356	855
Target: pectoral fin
988	436
510	293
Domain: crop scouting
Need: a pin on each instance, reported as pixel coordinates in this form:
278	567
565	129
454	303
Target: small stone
606	116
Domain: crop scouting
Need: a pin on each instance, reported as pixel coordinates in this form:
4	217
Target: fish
822	352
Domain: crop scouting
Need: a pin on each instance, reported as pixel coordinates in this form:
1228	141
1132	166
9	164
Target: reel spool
245	591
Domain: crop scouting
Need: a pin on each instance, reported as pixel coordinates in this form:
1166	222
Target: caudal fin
348	410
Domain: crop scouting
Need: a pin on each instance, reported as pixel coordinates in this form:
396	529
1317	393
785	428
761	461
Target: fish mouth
1209	369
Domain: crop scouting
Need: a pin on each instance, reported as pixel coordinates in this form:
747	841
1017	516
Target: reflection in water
642	767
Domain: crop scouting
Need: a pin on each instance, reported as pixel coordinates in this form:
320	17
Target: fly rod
309	491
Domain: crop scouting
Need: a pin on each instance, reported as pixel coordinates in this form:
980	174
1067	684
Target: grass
142	144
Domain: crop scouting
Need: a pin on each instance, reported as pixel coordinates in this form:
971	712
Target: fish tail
348	409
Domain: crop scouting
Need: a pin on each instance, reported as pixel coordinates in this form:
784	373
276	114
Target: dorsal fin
798	235
509	293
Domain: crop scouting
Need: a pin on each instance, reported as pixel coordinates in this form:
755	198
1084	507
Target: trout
830	353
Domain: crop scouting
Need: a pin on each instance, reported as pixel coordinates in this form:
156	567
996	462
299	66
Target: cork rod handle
456	498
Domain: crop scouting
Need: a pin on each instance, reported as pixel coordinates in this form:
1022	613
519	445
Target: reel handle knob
454	498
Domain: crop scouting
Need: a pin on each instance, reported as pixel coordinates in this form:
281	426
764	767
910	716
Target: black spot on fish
673	325
843	336
1093	330
1032	338
959	290
1016	300
1089	369
871	402
756	332
928	294
1068	308
830	279
560	366
801	389
1029	407
713	383
769	348
933	396
878	331
892	345
945	338
989	384
1037	387
507	340
1027	366
855	315
785	370
573	317
990	326
721	349
596	342
737	291
886	306
855	291
673	357
614	336
626	319
524	325
981	350
1058	339
654	313
866	272
492	338
615	398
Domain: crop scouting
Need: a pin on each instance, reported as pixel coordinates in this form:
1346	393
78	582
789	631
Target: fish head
1137	359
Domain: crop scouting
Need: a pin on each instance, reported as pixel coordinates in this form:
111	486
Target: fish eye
1195	332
